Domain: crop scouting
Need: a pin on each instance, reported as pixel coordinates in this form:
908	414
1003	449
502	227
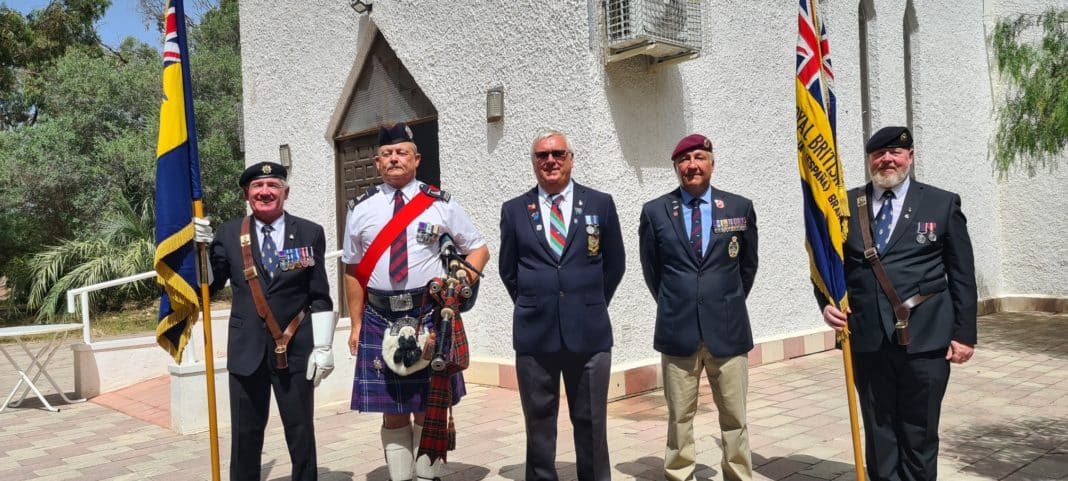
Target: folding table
37	362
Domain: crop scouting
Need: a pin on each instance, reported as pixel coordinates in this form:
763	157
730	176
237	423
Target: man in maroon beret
699	258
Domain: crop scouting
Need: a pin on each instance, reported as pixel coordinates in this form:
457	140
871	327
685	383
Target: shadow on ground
779	467
1040	332
998	450
652	467
381	473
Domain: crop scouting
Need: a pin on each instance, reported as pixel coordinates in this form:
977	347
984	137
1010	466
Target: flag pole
844	334
209	351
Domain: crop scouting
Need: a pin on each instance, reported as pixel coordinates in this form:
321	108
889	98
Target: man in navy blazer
561	261
921	238
294	285
698	249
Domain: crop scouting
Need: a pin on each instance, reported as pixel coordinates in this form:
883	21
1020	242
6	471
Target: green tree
30	44
120	245
91	153
1033	120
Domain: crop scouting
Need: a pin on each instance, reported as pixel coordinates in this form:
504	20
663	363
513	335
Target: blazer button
700	300
561	293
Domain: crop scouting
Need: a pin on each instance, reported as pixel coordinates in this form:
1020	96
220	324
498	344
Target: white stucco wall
623	120
1032	224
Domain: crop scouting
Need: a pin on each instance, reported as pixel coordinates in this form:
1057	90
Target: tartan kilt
375	388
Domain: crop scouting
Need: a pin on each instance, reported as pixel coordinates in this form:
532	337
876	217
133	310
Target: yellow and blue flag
177	185
822	183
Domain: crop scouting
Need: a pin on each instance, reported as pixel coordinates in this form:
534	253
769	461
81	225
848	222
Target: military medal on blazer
593	235
925	231
296	258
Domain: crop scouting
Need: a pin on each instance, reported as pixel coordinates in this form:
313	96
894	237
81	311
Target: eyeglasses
544	155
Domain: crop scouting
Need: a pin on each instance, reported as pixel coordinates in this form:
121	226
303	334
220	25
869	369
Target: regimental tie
398	250
557	228
695	227
883	220
268	251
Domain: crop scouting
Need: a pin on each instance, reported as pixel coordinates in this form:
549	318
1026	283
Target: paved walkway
1005	417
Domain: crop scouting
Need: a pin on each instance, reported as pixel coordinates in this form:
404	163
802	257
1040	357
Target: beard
888	180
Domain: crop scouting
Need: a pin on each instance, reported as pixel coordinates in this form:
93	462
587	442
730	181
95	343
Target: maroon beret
691	142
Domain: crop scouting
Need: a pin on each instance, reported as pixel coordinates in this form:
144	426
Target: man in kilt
386	289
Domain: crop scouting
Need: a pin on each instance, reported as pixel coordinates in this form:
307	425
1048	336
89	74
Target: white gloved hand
320	364
202	231
321	359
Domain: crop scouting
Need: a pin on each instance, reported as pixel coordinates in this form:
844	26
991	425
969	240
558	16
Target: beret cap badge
266	169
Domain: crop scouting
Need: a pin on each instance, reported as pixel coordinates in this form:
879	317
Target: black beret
888	138
395	134
260	170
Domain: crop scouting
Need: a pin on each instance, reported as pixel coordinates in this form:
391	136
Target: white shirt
898	201
369	217
547	207
278	235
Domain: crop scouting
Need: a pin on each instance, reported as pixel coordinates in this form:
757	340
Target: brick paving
1005	417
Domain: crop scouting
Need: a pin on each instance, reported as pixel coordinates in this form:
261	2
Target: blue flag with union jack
177	185
822	183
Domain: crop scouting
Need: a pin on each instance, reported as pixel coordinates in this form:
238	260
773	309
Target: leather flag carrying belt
281	339
404	301
902	310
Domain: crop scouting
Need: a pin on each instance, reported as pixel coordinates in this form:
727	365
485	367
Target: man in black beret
275	309
910	318
386	291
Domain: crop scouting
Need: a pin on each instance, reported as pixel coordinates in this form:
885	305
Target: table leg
48	351
50	348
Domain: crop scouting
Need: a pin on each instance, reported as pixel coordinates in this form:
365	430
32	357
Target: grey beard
887	182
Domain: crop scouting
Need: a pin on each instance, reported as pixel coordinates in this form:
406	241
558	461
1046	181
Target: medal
591	229
732	249
593	245
931	232
311	256
304	257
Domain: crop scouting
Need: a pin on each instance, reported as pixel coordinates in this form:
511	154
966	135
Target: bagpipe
447	348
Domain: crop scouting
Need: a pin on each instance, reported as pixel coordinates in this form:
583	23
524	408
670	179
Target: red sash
393	228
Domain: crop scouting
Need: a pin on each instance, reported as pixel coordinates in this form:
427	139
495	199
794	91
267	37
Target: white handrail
84	291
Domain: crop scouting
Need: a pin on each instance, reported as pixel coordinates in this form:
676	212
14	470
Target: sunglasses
544	155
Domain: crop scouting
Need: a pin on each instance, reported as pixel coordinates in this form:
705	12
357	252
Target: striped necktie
695	228
269	251
883	220
557	228
398	250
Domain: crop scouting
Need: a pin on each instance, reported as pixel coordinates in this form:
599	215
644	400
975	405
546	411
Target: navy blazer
699	300
943	268
288	293
561	303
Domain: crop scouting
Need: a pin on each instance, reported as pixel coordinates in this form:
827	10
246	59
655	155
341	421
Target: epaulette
362	197
434	192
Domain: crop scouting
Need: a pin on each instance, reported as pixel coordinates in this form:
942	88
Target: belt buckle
400	302
280	349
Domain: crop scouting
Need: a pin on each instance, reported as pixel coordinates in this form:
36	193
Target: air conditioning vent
662	29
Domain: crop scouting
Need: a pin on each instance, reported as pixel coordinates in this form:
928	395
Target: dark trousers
586	384
901	401
250	398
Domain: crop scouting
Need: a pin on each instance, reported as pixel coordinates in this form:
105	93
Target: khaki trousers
729	378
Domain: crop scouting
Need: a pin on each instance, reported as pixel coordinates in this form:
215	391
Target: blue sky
120	21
